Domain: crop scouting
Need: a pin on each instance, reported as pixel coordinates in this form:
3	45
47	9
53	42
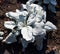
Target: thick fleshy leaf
7	15
52	8
30	20
38	8
1	33
39	31
11	38
20	25
29	2
12	15
41	15
53	2
22	12
50	26
9	24
1	38
24	43
39	43
27	33
46	1
24	6
39	28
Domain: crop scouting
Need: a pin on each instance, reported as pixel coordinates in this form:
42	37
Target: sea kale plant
30	21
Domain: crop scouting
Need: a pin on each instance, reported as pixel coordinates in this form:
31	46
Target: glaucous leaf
9	24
